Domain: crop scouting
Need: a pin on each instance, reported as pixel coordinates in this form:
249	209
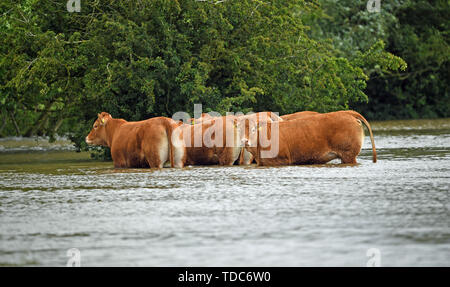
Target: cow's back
298	115
317	139
142	143
205	152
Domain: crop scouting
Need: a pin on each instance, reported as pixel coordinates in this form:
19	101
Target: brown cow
311	140
246	158
136	144
212	141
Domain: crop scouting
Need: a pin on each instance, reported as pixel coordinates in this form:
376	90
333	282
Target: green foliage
138	59
414	30
421	38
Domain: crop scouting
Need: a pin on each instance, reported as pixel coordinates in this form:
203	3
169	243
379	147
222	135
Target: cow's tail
169	129
361	118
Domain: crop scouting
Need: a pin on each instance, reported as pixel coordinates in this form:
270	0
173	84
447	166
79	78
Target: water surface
53	199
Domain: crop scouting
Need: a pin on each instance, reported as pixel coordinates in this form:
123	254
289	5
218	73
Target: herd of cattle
265	138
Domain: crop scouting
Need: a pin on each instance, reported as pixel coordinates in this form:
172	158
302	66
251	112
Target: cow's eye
95	126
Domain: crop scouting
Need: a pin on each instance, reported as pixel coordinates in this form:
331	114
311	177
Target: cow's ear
104	119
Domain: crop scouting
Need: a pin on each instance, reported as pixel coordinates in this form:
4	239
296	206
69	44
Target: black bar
222	276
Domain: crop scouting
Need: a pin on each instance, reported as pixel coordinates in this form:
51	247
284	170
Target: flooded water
53	199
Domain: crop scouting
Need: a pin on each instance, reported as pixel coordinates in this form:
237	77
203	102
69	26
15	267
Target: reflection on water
53	199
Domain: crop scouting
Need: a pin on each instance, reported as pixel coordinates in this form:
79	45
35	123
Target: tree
415	30
138	59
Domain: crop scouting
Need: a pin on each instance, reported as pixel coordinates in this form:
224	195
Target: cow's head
249	133
98	136
251	123
258	135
